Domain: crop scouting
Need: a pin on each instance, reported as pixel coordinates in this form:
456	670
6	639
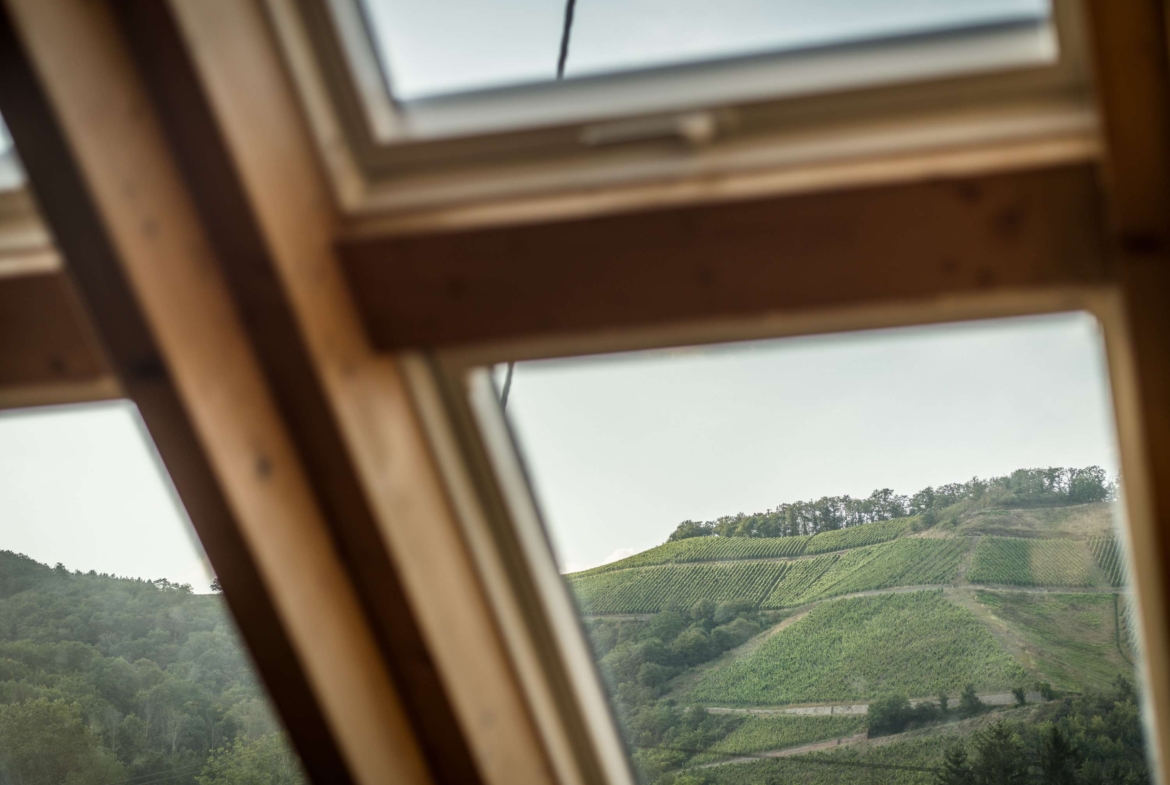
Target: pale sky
84	486
432	47
621	449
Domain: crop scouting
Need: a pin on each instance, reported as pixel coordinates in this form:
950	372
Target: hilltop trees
1021	488
106	679
1092	740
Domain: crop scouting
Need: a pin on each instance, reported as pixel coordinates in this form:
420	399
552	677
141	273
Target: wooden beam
1129	49
271	149
254	281
48	352
1011	231
112	193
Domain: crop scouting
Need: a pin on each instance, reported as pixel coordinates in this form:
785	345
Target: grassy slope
857	536
1018	561
904	562
1070	640
760	734
915	643
700	549
649	589
852	764
1078	521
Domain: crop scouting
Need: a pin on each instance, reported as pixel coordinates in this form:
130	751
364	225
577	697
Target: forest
107	680
1022	488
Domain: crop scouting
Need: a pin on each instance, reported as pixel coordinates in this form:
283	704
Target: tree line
1048	487
107	680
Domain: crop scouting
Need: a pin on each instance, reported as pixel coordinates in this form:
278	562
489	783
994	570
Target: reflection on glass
436	48
11	175
119	663
849	559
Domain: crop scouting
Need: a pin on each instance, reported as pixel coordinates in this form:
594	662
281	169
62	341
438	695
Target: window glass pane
436	48
885	557
11	174
119	662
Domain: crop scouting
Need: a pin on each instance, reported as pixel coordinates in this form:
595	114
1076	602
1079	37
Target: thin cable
566	32
562	58
507	386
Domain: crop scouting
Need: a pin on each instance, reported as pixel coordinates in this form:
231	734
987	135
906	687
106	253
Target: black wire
507	386
566	32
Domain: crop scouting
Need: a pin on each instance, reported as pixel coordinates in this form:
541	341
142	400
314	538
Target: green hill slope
905	562
858	536
700	549
649	589
914	643
1015	561
122	678
1070	640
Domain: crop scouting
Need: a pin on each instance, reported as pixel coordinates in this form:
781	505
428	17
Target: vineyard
758	734
899	563
913	644
1107	553
699	549
650	589
798	580
858	536
862	765
1073	639
1015	561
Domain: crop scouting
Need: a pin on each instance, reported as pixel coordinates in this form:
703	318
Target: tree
1059	760
1020	696
956	768
688	529
45	742
1045	690
999	757
264	761
943	702
969	703
889	714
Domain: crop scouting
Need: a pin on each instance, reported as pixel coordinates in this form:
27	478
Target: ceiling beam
982	234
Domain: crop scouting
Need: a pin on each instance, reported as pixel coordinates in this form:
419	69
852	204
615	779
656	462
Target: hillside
723	646
106	679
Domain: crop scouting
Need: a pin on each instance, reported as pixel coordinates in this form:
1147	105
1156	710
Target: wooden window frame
413	184
305	374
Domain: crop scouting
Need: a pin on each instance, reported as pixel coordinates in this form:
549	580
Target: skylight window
11	174
461	67
433	49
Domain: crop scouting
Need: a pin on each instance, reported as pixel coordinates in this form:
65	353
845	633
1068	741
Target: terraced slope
905	562
650	589
914	644
858	536
1015	561
873	762
797	582
1070	640
759	734
700	549
1107	553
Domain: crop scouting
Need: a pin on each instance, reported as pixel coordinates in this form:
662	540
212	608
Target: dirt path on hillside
965	562
817	746
861	709
687	679
803	610
1011	641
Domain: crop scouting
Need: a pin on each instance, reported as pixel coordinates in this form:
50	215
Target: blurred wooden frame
312	383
